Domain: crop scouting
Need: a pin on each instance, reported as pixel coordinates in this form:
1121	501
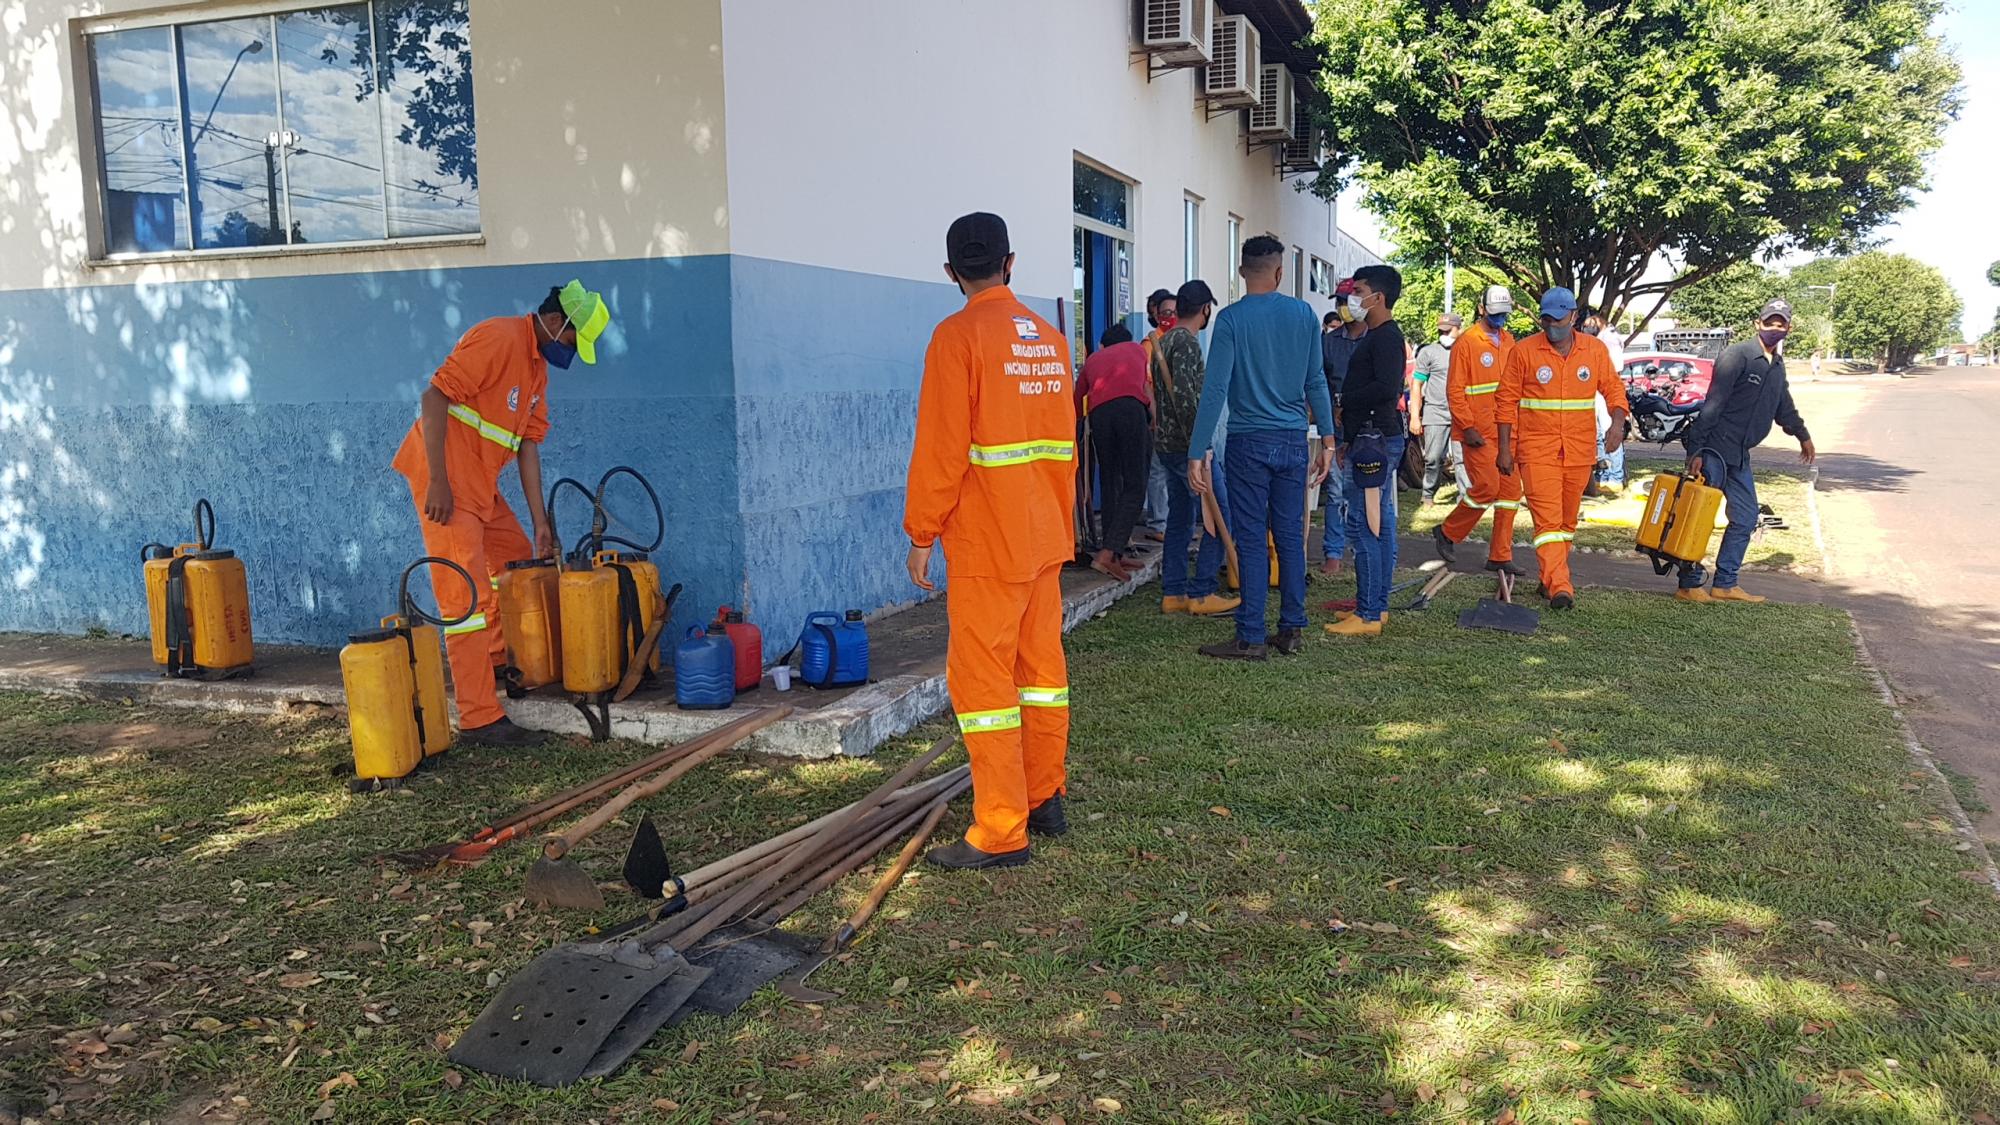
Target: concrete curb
1970	843
1812	513
850	727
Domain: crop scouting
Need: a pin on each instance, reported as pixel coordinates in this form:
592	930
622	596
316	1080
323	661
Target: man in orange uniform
992	476
1476	364
486	406
1548	392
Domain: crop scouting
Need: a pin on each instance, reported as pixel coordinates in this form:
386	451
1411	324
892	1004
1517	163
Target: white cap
1498	300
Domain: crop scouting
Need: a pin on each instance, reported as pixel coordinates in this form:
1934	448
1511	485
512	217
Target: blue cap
1558	302
1369	456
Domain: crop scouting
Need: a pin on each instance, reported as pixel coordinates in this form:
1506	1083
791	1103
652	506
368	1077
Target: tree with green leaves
1729	299
1894	308
1423	299
1576	142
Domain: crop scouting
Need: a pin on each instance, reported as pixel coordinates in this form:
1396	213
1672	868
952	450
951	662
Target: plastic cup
781	677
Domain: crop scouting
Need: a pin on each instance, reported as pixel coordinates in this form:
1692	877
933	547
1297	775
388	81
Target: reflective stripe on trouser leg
1039	665
985	628
1492	492
1554	491
468	645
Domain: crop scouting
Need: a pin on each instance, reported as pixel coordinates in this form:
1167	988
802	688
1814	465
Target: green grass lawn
1657	863
1783	489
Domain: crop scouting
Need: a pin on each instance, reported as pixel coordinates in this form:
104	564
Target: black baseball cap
1779	307
1370	457
1192	296
976	244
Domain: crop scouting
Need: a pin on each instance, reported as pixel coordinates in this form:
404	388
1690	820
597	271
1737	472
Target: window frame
1190	235
1235	251
91	157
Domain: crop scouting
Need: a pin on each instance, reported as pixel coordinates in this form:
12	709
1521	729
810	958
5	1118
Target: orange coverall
497	383
1476	363
992	478
1547	398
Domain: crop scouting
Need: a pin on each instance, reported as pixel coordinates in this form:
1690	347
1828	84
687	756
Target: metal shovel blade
551	1019
1501	616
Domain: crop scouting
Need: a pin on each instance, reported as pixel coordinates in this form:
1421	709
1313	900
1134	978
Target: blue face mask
558	353
1559	334
555	351
1496	323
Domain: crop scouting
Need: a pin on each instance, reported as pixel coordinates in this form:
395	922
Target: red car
1682	378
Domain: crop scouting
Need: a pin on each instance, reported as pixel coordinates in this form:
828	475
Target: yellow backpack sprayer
1679	521
394	681
198	602
611	608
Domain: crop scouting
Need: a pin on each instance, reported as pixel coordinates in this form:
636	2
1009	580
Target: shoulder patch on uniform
1024	327
1485	359
1583	374
1544	373
514	398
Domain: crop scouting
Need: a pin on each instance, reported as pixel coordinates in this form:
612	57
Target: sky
1955	226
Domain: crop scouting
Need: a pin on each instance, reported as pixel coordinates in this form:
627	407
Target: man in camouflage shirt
1178	368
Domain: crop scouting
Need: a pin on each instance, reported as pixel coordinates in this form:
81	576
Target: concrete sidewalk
906	649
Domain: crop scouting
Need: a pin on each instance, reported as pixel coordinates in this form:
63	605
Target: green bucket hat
587	312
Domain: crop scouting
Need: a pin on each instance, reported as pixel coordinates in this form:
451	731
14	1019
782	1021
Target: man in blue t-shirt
1265	364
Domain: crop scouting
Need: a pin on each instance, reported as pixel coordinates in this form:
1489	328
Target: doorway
1101	255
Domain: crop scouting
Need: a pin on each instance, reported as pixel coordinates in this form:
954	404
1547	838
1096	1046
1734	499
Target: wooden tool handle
713	743
894	875
636	667
754	891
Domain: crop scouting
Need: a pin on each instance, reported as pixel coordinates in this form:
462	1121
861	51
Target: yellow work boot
1172	604
1213	605
1355	627
1692	594
1732	594
1344	614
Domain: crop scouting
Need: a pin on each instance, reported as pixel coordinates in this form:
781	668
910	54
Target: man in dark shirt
1340	334
1368	405
1748	393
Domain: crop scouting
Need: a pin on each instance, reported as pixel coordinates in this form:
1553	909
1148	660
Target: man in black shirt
1747	394
1368	406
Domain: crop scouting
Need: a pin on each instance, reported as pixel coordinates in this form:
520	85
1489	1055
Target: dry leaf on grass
689	1052
1107	1105
344	1079
298	980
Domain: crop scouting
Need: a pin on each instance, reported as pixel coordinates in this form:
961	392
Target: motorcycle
1659	414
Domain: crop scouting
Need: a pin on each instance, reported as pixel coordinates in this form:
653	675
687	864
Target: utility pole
274	143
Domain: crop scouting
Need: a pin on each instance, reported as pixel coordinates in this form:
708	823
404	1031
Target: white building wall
593	143
855	140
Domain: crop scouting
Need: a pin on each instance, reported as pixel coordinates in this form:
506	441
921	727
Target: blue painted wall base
771	404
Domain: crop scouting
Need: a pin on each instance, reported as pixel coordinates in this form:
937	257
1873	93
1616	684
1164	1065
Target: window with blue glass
337	124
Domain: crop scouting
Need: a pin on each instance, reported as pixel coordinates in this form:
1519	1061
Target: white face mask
1354	308
1445	338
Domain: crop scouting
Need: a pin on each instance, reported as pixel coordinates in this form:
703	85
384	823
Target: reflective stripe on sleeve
1559	404
1482	388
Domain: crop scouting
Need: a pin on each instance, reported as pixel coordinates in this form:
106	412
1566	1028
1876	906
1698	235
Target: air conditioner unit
1176	32
1306	150
1271	117
1233	54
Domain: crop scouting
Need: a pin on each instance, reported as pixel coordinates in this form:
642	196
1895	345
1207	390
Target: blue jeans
1614	465
1267	495
1183	516
1333	506
1157	498
1374	554
1739	492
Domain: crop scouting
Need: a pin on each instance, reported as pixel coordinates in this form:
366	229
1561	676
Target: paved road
1912	523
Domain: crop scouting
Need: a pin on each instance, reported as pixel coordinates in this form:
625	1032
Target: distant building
238	247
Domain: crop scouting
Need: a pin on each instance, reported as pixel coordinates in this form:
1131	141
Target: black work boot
962	856
1235	650
1562	600
501	733
1506	566
1446	549
1288	642
1047	819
